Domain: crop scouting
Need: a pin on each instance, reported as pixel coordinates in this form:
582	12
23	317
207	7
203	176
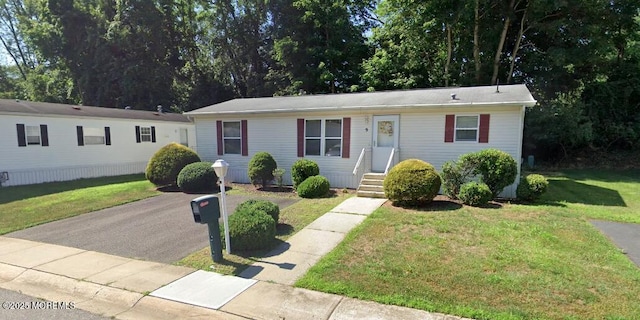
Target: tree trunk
449	53
516	48
503	37
476	40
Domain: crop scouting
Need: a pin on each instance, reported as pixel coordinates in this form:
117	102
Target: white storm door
385	138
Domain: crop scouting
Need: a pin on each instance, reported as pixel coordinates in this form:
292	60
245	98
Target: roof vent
159	107
453	96
127	108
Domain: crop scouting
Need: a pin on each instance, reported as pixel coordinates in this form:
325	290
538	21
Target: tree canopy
580	58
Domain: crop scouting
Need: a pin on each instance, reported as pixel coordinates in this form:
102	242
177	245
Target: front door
385	138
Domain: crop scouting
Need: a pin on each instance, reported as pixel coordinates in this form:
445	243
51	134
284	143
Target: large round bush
197	177
303	169
251	230
532	187
314	187
267	206
496	168
261	168
474	193
412	182
165	165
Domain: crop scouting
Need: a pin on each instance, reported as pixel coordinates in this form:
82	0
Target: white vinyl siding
65	160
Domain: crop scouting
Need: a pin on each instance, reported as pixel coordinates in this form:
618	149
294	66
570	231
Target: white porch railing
360	158
390	161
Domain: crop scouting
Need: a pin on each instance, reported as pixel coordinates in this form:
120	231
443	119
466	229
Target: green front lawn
537	261
26	206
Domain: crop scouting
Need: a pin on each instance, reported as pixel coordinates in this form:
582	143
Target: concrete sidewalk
125	288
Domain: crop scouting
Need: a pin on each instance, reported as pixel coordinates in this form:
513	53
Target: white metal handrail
355	170
393	151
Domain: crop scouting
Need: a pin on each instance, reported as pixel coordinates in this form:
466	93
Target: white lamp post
221	167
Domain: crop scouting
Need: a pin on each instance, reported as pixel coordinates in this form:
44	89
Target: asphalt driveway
157	229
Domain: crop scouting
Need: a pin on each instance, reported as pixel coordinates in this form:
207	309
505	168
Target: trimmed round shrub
496	168
303	169
251	230
532	187
267	206
261	168
314	187
165	165
197	177
475	193
412	182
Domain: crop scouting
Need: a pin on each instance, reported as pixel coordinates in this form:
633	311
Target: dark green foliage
268	207
454	175
532	187
475	193
412	182
314	187
165	165
251	230
303	169
197	177
495	167
261	168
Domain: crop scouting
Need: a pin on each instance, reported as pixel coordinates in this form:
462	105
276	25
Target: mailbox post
206	209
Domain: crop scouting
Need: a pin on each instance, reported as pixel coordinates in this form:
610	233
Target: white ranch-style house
354	134
44	142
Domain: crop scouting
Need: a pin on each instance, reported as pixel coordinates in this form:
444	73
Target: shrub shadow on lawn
438	204
576	192
284	229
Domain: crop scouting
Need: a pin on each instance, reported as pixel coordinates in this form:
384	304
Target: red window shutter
243	137
300	138
483	135
449	127
346	137
219	131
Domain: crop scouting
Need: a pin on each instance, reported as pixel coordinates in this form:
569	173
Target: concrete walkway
125	288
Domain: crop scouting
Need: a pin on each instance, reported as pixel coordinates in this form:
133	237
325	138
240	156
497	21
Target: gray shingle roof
416	98
45	109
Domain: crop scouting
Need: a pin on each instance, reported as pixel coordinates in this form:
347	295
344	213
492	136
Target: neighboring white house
336	130
43	142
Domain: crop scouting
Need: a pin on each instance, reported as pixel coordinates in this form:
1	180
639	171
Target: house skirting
41	175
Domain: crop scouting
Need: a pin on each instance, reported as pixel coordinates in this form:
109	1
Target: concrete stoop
371	186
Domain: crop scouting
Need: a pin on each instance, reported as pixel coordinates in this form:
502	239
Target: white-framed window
33	135
232	137
323	137
93	135
145	134
467	128
184	137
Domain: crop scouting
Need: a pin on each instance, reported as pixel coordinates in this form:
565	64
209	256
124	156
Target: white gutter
528	103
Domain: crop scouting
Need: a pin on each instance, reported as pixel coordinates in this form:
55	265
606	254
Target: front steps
371	186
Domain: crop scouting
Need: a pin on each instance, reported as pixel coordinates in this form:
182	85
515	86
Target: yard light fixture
221	167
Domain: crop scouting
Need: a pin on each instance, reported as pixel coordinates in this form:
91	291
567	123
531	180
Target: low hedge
197	177
251	230
412	182
475	193
268	207
532	187
314	187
